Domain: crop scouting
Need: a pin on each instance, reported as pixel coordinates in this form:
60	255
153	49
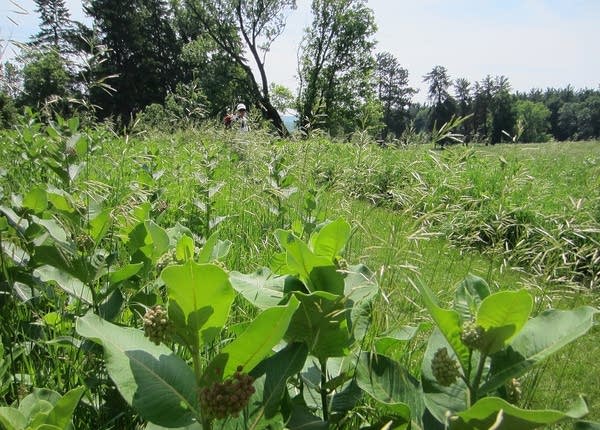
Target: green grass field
519	216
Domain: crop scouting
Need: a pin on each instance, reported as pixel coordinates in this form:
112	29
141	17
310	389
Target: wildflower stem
323	389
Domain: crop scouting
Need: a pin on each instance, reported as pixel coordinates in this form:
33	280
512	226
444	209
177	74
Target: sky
535	43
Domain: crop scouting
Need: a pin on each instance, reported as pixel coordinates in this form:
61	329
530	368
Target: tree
464	103
483	93
282	97
55	26
251	24
503	115
336	63
535	119
10	79
393	92
222	80
45	78
443	103
439	82
143	53
8	112
581	120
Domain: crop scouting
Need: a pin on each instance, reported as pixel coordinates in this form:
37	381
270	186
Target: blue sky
535	43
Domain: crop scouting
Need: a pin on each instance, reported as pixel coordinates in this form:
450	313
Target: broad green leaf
185	249
13	219
347	398
110	308
587	425
64	408
390	384
73	124
36	199
327	278
124	273
496	413
14	252
74	170
160	238
259	338
440	400
331	239
194	426
448	321
151	378
12	419
39	402
360	283
204	295
205	254
541	337
278	368
392	339
502	315
3	223
322	324
214	249
361	317
81	146
300	259
53	227
100	225
60	199
469	295
46	427
65	281
261	288
176	232
303	418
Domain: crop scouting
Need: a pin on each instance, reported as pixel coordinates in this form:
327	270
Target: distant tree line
186	60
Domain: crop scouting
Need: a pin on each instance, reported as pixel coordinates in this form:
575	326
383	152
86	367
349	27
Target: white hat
241	106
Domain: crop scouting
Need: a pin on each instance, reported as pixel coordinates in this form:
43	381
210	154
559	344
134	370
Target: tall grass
515	215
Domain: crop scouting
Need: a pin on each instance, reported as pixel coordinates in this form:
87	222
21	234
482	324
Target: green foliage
393	92
8	112
143	73
507	329
535	118
42	409
336	64
44	77
95	230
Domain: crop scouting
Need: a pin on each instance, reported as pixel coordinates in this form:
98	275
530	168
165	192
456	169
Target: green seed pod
445	369
472	335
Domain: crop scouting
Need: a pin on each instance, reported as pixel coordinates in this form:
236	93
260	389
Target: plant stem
206	422
473	389
323	390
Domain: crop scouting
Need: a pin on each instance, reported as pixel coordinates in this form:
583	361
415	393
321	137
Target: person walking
240	120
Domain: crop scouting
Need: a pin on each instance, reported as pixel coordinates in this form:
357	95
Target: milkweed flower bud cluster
227	398
444	369
513	391
156	324
472	335
341	263
166	259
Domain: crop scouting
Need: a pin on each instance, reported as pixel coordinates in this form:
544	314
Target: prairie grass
516	215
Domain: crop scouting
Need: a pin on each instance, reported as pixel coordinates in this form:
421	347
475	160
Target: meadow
95	224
